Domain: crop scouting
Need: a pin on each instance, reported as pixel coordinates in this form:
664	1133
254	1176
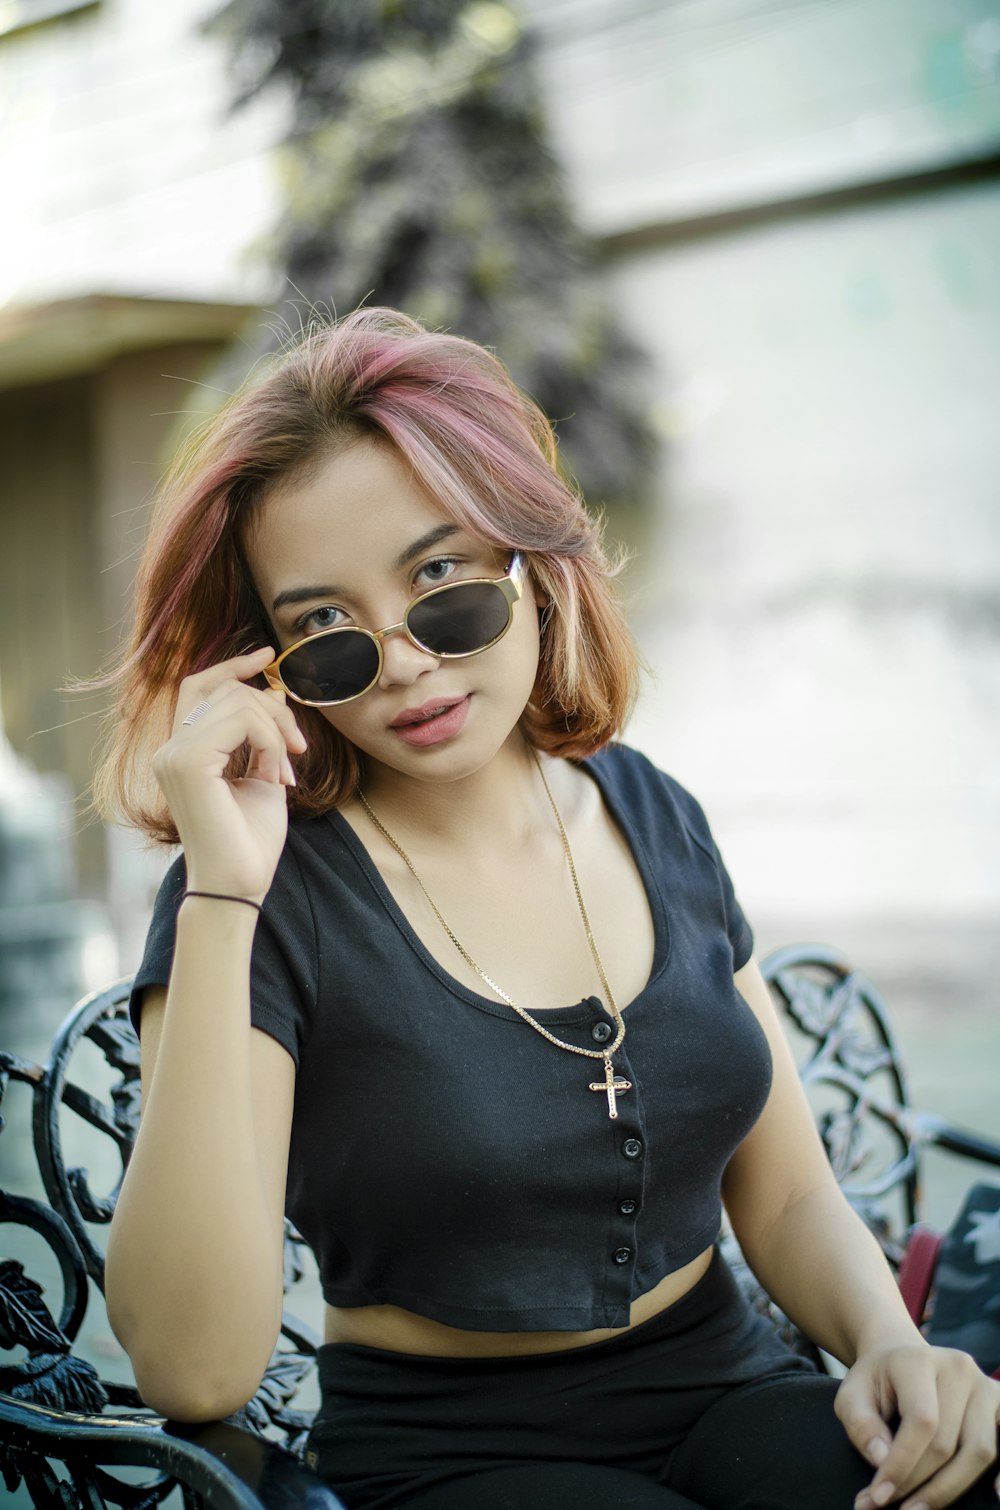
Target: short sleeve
739	932
283	964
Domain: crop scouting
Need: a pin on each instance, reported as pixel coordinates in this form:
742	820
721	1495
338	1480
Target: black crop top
442	1156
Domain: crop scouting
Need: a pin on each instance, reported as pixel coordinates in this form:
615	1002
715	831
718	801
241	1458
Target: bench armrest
230	1468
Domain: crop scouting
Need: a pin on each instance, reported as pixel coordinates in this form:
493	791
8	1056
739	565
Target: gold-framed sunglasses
452	621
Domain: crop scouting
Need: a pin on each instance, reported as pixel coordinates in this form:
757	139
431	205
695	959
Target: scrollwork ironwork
853	1072
55	1406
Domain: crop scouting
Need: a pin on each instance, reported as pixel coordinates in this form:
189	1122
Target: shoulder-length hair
481	448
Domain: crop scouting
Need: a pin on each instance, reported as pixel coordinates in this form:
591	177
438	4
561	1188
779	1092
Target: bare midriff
400	1331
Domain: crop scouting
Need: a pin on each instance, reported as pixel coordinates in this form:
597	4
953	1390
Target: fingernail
883	1493
877	1450
289	774
864	1501
917	1505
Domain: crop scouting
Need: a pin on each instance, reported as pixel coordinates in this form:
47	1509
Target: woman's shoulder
626	774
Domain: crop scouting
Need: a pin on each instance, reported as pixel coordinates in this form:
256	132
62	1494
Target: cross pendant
612	1085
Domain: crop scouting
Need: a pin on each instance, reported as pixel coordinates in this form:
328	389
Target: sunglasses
458	619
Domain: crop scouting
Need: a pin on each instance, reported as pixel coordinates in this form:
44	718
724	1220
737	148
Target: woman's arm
194	1264
815	1256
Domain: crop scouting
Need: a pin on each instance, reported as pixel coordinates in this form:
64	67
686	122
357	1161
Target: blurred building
799	209
130	201
800	206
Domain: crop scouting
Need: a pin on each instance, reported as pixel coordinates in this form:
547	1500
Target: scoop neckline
580	1011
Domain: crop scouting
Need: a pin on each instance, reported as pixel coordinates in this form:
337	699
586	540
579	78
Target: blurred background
745	252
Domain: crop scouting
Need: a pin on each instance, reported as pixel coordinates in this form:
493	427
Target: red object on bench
950	1283
916	1272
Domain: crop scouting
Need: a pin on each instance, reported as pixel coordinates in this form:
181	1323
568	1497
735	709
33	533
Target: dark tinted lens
460	619
331	667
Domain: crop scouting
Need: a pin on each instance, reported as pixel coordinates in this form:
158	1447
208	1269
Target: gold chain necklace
612	1085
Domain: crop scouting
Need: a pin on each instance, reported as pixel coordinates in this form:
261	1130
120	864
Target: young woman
462	985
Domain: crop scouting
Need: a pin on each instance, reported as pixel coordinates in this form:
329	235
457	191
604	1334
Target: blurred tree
418	175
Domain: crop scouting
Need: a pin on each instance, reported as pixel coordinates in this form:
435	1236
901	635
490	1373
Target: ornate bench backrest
49	1373
850	1063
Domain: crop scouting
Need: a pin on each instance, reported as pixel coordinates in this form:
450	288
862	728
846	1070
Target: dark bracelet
221	896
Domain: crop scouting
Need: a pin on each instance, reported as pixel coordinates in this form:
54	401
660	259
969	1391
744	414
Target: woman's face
355	541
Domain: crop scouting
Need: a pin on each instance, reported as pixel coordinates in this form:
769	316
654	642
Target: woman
378	661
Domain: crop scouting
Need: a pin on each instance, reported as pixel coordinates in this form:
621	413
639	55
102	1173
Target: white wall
821	606
120	171
667	111
820	600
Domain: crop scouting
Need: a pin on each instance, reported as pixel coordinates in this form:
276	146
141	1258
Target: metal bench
64	1429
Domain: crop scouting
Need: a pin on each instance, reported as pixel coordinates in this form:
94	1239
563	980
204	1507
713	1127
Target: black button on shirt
631	1148
622	1255
627	1208
601	1032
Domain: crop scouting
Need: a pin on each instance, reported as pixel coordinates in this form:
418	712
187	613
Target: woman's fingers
857	1408
927	1431
247	717
219	709
269	754
947	1432
240	716
976	1449
203	690
892	1387
286	721
942	1449
201	685
232	696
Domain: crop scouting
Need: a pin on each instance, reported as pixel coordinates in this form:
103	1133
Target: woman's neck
504	801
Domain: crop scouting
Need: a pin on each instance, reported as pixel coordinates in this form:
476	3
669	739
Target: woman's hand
947	1412
233	832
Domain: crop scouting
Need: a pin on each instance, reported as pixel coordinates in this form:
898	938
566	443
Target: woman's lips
431	728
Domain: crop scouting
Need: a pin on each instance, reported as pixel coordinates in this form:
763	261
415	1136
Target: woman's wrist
219	905
222	896
213	935
883	1332
207	880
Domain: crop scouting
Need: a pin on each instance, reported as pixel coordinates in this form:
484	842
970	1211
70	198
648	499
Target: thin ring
196	713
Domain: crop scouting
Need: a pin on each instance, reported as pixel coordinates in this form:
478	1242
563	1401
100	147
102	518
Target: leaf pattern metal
48	1375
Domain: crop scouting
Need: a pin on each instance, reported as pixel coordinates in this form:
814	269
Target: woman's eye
433	573
319	618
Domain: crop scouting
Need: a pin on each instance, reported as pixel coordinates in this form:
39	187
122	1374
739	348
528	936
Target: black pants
701	1408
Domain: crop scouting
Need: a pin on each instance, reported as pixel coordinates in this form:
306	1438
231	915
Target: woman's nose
402	661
